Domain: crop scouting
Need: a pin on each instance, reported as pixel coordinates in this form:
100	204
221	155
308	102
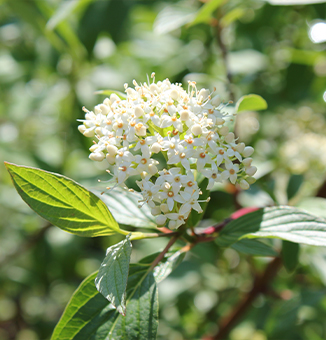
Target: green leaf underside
111	280
89	316
282	222
63	202
254	247
123	205
165	268
251	102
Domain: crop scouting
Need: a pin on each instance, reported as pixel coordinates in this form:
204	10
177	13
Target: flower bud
138	111
240	147
160	219
112	150
203	95
247	162
244	184
251	170
154	88
220	121
156	148
97	156
223	131
156	211
184	115
114	98
216	101
196	130
164	208
251	180
248	151
110	159
89	133
174	95
104	109
82	128
152	169
229	138
172	224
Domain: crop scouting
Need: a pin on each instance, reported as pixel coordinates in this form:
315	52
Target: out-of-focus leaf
109	92
304	57
164	269
254	247
282	222
294	2
63	202
173	17
233	15
65	9
251	102
294	185
290	255
314	205
90	316
124	206
205	12
111	280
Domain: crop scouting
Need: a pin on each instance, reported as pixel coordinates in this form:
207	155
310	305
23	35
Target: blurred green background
55	54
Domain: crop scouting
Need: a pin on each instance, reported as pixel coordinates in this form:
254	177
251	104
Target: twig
164	251
260	286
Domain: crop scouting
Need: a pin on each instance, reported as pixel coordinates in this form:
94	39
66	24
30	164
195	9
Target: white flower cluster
187	127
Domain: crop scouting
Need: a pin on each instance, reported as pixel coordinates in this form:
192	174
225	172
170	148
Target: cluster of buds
186	127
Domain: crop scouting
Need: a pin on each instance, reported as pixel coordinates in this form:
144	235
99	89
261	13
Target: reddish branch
260	286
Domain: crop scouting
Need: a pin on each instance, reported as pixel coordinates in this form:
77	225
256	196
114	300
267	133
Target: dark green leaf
294	185
89	316
251	102
254	247
290	255
111	280
282	222
63	202
124	206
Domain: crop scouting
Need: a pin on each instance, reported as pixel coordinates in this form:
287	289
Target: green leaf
205	12
233	15
111	280
282	222
251	102
254	247
109	92
124	206
169	263
290	255
294	185
89	316
63	202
